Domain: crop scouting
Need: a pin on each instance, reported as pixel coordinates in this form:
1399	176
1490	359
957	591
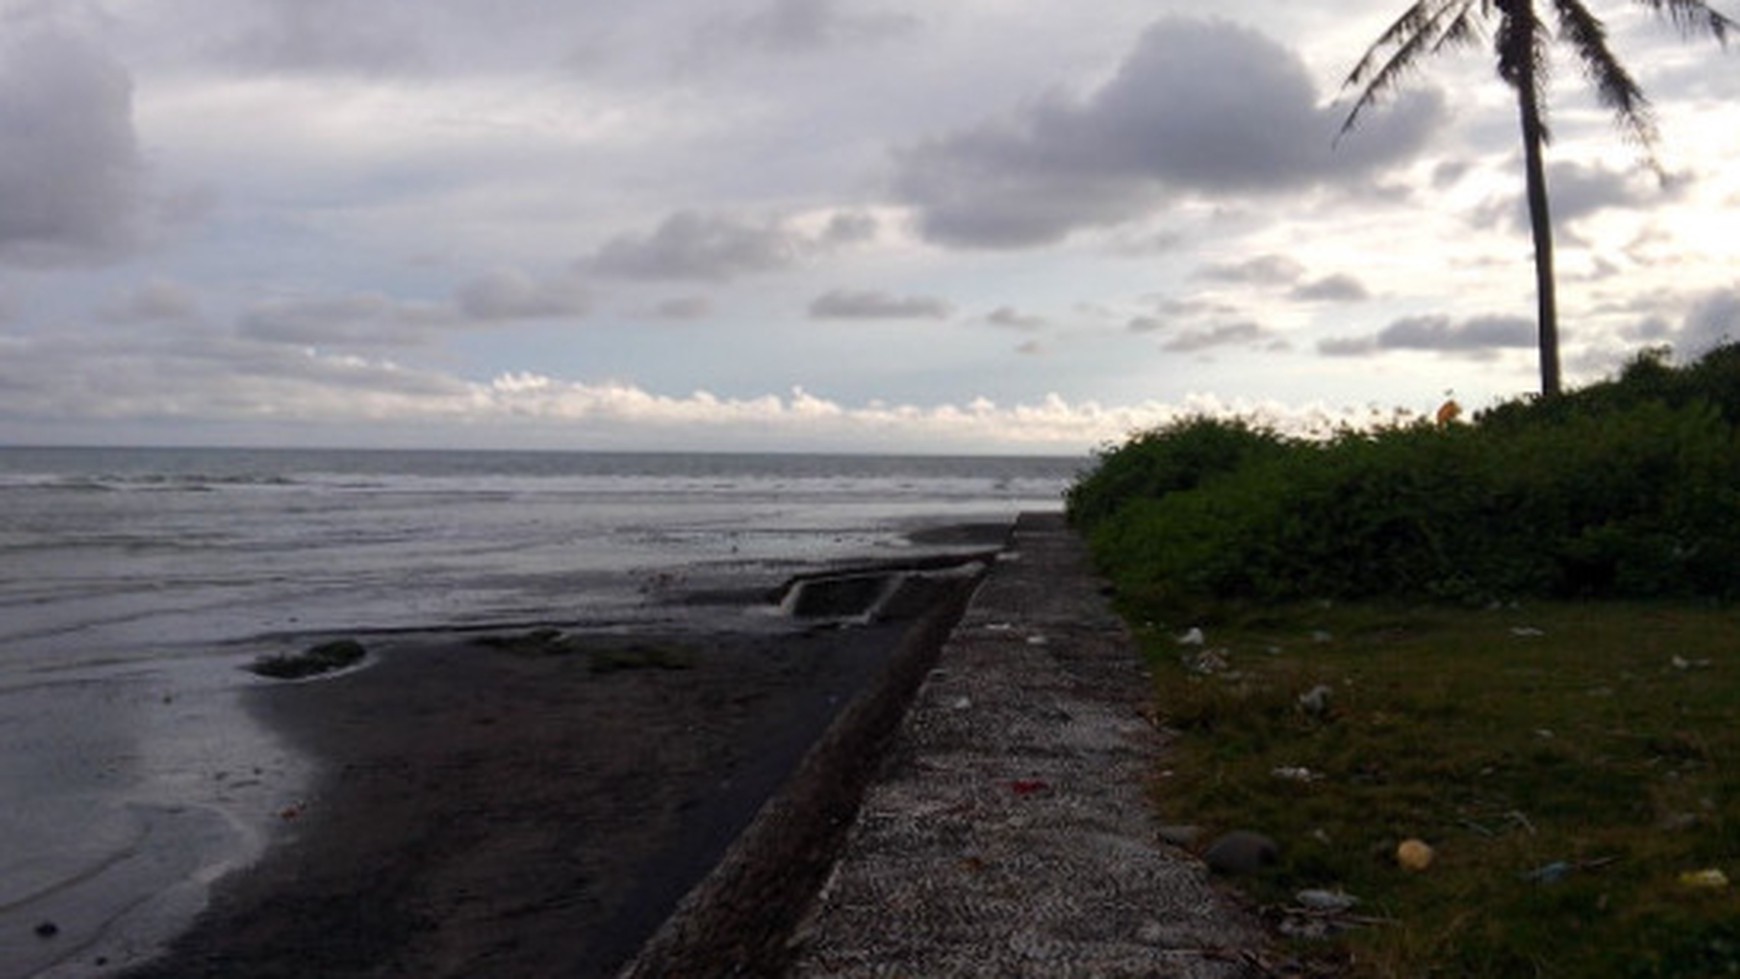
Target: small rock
1321	900
1182	836
1414	855
1316	701
1241	852
1550	873
1207	663
1680	822
1704	880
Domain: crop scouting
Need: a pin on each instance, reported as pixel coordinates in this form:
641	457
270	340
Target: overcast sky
882	225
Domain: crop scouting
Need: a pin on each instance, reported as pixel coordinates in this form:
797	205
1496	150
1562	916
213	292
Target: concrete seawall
981	812
1008	832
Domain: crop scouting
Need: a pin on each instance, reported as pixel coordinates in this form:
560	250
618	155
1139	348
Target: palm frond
1424	28
1693	18
1613	84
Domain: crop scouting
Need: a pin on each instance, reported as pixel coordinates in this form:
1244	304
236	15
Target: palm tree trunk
1541	224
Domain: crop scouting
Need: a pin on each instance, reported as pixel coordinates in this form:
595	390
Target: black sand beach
537	806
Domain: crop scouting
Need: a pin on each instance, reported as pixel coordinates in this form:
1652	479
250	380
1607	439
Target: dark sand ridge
537	806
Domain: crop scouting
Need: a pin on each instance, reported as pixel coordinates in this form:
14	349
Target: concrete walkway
1008	832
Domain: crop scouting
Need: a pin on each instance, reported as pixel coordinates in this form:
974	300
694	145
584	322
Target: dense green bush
1630	487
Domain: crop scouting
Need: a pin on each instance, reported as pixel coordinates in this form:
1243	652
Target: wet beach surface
531	805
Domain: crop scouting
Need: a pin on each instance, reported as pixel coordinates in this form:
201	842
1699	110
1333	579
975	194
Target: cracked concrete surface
1008	832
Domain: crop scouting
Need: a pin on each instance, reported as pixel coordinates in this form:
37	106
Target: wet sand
531	808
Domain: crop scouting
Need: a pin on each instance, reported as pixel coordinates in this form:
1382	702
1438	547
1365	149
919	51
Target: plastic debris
1029	786
1710	879
1322	900
1414	855
1038	641
1316	701
1320	637
961	703
1193	637
1208	662
1551	873
1294	773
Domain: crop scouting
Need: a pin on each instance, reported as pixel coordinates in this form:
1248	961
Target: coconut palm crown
1521	39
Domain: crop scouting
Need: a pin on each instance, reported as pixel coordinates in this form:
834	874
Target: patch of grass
1568	763
313	661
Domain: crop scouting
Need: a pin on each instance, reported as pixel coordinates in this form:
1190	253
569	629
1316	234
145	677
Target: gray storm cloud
1198	106
691	245
69	159
845	304
1477	336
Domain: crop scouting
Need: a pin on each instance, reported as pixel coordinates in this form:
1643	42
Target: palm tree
1521	40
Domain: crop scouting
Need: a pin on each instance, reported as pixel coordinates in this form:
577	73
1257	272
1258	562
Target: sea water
135	585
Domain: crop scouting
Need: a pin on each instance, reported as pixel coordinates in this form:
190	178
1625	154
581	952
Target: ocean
135	585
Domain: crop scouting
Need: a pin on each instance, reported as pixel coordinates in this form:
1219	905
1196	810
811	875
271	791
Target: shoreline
512	810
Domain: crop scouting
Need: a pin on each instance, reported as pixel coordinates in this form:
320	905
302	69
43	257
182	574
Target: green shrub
1180	456
1628	488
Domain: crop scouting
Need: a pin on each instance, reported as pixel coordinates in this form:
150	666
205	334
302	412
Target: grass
1567	763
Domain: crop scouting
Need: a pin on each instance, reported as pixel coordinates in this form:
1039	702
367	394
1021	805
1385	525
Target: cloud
1199	106
367	320
843	304
1578	191
1713	320
153	301
509	294
799	27
1478	336
1267	270
360	36
1221	335
1010	317
849	228
683	308
1338	288
691	245
69	160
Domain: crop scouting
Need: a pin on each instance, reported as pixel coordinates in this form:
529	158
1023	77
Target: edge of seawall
982	810
738	920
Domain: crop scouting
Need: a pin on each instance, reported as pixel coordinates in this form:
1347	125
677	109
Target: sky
842	225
